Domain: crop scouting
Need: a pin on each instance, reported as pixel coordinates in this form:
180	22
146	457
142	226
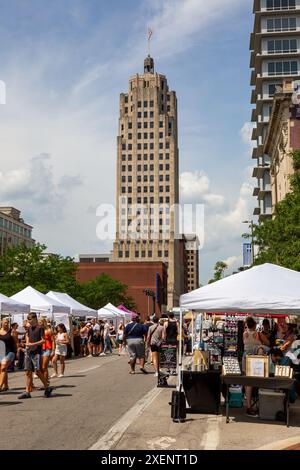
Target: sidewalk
154	429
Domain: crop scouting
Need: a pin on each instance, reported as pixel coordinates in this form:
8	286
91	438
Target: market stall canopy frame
267	288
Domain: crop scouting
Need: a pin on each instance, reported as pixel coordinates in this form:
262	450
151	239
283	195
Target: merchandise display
230	335
231	366
283	371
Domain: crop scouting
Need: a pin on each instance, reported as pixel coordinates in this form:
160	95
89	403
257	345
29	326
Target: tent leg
179	376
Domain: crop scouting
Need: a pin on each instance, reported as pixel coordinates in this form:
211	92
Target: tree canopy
220	268
23	266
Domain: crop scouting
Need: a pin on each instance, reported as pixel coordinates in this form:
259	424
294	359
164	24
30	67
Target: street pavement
207	432
99	405
94	394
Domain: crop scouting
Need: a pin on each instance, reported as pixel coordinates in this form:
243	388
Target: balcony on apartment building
260	169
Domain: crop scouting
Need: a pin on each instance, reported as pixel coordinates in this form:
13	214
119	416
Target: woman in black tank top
171	330
10	353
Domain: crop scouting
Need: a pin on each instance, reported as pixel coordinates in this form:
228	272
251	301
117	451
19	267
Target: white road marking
211	438
162	443
106	361
115	433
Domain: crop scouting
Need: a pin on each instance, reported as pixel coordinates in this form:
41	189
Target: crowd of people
37	344
275	342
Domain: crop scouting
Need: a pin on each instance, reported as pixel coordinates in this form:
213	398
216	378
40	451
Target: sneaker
60	376
252	413
156	374
103	354
53	376
35	376
48	392
24	395
90	355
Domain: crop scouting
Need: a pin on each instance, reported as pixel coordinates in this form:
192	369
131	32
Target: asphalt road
94	394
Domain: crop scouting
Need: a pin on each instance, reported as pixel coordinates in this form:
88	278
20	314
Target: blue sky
65	62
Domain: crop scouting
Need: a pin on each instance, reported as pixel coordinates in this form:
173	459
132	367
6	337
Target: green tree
22	266
278	239
220	268
103	290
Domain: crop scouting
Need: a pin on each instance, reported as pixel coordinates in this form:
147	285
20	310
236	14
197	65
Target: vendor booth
77	309
10	307
110	312
45	306
262	290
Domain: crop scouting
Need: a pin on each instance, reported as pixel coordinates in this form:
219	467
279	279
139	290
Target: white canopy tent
264	289
41	303
267	289
77	309
111	312
9	306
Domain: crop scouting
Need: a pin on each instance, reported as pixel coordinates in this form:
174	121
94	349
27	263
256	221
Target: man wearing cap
134	335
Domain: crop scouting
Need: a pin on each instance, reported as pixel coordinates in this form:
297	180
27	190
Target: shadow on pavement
9	403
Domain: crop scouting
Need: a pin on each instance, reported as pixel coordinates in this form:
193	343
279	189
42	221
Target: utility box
270	403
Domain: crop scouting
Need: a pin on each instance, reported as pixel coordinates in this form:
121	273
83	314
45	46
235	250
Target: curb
285	444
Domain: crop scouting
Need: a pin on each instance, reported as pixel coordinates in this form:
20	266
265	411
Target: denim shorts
32	361
10	357
46	352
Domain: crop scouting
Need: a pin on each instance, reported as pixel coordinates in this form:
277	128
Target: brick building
138	276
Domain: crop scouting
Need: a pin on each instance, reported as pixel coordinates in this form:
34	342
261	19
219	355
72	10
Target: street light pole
251	225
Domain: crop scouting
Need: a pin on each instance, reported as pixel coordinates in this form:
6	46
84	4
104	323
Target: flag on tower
150	33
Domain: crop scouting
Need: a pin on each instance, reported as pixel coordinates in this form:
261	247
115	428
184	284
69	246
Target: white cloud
195	187
246	133
233	261
35	190
176	22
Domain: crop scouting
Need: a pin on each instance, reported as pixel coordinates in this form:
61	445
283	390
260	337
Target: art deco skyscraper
275	56
147	175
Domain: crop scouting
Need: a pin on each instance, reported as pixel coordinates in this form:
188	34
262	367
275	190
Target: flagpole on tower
150	34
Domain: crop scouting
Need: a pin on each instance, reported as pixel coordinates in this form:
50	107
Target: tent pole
193	324
179	376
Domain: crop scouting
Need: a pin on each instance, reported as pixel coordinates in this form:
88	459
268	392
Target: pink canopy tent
124	309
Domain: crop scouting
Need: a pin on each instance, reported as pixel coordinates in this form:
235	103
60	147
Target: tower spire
149	62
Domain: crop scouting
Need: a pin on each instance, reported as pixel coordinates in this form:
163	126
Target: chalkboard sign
168	356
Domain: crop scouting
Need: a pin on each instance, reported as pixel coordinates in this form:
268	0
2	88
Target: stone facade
147	177
282	139
192	253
